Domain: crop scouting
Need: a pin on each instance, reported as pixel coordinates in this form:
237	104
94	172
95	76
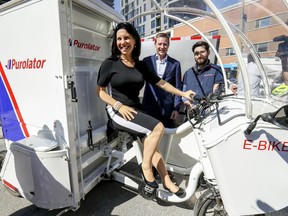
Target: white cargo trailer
49	60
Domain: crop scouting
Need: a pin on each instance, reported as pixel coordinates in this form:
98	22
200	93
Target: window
165	20
126	9
212	33
261	47
153	24
230	52
158	21
130	15
141	31
263	22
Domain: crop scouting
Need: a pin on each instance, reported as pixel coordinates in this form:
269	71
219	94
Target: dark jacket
165	103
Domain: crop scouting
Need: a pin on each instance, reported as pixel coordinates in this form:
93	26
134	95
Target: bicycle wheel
205	205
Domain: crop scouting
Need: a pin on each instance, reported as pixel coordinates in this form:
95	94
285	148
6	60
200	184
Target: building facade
260	20
263	20
108	2
155	22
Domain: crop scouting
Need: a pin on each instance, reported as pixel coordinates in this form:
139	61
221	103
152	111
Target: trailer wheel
205	205
2	157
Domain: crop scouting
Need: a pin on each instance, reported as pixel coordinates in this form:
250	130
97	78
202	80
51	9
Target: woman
123	76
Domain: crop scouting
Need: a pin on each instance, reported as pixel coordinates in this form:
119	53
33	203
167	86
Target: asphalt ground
108	198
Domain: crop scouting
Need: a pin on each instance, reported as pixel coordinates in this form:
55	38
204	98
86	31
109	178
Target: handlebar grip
197	98
250	128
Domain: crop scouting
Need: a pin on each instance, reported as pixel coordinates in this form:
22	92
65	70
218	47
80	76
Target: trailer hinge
90	136
69	84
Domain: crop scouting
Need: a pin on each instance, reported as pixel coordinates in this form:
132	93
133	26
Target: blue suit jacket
162	106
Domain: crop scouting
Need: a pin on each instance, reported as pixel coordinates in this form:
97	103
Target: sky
117	5
224	3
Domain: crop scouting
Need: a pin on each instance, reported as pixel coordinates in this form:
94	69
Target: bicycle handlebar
267	117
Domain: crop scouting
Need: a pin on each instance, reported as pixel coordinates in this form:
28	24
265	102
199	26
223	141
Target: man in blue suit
158	103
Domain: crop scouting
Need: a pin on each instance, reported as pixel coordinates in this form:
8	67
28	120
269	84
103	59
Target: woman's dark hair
133	32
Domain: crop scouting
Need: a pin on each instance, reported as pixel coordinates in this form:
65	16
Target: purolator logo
83	45
25	64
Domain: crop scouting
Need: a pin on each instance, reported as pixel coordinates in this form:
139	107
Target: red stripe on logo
12	97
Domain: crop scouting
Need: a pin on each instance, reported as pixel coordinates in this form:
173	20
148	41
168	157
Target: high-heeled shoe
178	193
153	184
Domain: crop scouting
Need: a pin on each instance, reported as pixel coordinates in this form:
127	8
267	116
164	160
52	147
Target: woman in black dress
120	79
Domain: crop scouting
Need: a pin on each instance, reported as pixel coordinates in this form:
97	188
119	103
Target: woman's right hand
127	112
189	94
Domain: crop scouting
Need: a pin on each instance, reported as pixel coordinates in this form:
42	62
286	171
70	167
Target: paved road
106	199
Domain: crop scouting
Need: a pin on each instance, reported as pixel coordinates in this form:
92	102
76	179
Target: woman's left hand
127	112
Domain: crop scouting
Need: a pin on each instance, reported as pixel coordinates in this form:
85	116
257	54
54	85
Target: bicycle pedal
149	189
147	192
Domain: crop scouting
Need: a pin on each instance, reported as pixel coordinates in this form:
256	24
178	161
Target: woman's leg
150	145
158	162
141	125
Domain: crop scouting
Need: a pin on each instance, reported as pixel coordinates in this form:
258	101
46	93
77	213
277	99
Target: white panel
181	50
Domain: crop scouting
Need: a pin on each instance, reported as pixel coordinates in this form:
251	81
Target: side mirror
280	117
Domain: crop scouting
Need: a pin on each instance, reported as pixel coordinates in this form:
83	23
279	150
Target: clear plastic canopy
249	29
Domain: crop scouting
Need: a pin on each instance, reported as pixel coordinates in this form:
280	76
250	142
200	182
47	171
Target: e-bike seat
112	132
